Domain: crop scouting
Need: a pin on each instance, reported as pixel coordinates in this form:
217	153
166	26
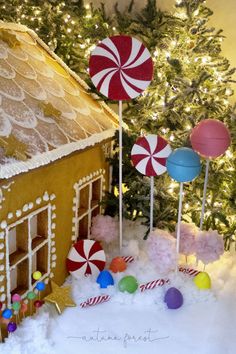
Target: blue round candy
105	279
7	313
183	164
40	286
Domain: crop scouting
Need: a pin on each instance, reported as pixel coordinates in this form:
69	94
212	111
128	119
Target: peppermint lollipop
86	257
149	155
121	69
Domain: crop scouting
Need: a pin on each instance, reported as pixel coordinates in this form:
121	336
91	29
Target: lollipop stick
120	172
179	221
204	193
151	202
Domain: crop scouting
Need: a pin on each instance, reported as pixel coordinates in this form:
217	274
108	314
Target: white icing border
3	188
15	168
5	294
83	182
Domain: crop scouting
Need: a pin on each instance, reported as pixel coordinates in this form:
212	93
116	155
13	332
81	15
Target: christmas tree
191	82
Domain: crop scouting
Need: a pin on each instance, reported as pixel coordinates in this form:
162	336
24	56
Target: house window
28	247
87	204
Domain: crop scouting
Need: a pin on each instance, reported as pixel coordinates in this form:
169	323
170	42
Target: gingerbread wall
54	186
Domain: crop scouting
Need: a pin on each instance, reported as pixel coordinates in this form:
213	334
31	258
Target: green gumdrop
16	305
129	284
31	295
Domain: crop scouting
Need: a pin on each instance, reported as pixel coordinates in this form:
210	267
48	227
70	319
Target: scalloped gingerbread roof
46	111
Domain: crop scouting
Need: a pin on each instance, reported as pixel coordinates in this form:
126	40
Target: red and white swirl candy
149	155
86	257
121	67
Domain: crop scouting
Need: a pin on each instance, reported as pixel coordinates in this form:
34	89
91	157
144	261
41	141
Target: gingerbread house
54	140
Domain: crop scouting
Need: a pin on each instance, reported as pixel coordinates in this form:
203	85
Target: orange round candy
118	265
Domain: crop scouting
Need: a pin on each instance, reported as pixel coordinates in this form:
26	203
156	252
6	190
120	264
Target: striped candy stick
189	271
92	301
128	259
153	284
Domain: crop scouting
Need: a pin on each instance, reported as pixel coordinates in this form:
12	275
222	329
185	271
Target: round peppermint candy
149	155
86	257
121	67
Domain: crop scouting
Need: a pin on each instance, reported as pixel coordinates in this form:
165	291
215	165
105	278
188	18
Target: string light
156	53
229	154
228	92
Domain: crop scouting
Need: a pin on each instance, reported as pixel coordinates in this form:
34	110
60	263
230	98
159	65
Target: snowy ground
138	323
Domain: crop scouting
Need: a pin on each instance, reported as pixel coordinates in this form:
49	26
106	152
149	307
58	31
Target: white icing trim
3	188
17	167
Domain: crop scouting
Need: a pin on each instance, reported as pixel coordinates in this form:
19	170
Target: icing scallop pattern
30	80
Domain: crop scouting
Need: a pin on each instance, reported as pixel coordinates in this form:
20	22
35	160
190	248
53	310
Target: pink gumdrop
24	307
16	297
210	138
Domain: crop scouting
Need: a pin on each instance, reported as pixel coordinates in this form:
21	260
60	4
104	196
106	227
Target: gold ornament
49	110
60	297
9	38
14	147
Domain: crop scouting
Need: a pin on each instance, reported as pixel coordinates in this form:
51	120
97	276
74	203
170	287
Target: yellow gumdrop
37	275
202	281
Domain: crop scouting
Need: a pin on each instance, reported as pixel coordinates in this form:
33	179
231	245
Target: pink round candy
15	298
210	138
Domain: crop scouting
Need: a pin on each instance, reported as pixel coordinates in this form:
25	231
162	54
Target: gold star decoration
14	147
49	110
9	37
60	297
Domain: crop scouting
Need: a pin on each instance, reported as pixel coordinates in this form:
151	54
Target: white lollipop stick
204	193
151	202
120	174
179	221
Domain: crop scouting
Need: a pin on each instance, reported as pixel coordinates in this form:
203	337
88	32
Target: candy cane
128	259
189	271
153	284
92	301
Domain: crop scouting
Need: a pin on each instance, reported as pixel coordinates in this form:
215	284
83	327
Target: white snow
137	323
